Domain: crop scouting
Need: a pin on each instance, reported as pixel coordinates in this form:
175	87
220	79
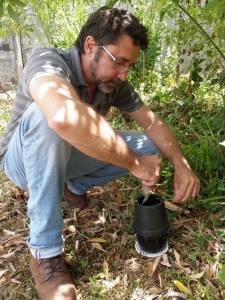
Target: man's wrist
134	162
180	163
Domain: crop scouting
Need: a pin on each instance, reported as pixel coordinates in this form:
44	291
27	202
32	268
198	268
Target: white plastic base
148	254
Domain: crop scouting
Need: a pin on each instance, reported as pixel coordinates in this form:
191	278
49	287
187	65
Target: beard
106	86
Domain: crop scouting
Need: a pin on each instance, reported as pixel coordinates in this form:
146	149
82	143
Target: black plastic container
151	225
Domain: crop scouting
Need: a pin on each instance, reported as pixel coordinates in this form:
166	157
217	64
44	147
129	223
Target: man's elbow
58	123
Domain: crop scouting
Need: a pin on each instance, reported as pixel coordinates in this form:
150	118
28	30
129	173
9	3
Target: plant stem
201	28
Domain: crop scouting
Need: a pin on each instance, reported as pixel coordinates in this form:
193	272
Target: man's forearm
166	142
160	134
91	134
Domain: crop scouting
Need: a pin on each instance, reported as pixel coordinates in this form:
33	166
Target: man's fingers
149	182
183	193
196	190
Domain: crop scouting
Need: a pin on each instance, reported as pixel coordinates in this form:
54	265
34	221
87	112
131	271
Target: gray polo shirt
64	63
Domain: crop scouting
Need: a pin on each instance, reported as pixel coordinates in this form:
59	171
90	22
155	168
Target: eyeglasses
121	68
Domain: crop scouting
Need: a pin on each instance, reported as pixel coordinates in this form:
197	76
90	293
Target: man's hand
147	168
186	185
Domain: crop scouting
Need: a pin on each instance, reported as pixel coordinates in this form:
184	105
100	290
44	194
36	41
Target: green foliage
83	263
222	274
60	20
180	76
196	112
112	3
64	21
11	6
10	12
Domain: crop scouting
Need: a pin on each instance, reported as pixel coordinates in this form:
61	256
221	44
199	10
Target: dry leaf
125	282
133	263
213	217
187	270
16	281
165	261
16	240
8	255
154	291
72	228
3	279
117	257
111	284
177	257
156	263
68	235
175	294
3	205
151	266
12	267
161	281
124	239
68	220
82	213
148	268
98	246
1	249
3	272
130	261
182	287
210	271
197	276
75	215
76	245
105	267
212	287
165	264
102	219
97	222
8	232
97	240
114	235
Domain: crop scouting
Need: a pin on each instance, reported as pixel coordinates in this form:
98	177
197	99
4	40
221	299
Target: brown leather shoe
52	280
80	201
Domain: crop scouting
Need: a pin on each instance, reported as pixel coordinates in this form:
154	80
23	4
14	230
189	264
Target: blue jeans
40	161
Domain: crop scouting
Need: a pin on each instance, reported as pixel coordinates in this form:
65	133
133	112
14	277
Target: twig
176	208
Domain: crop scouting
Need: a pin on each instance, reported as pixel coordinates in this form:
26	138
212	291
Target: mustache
115	81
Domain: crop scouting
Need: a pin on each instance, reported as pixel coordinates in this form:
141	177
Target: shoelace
52	265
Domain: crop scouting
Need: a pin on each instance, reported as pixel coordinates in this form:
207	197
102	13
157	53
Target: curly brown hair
107	25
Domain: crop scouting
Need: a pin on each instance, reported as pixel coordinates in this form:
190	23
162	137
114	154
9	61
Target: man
58	142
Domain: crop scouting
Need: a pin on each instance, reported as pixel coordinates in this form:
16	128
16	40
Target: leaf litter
107	247
101	255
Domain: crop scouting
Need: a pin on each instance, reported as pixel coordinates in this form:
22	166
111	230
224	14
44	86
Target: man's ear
89	45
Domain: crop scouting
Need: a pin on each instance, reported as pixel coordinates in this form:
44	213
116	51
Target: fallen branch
176	208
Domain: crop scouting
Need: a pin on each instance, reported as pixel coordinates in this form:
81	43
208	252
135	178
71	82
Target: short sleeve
44	60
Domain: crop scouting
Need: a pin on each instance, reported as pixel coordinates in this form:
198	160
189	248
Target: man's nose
122	76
